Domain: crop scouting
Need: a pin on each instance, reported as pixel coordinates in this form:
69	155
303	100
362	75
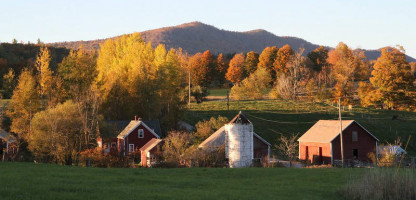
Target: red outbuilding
135	136
321	143
151	151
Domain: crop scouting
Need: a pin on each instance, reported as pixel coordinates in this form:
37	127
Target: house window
113	145
354	136
131	147
355	153
141	133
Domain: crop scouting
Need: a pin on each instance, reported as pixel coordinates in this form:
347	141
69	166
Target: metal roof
217	139
152	143
132	125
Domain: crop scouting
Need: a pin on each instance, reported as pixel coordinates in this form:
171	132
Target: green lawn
218	92
274	117
46	181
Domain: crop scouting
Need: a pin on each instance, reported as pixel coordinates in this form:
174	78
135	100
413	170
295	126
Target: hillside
197	37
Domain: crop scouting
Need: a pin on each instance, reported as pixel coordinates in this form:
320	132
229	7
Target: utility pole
189	89
228	100
340	131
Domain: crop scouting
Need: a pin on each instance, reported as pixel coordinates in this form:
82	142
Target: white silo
239	142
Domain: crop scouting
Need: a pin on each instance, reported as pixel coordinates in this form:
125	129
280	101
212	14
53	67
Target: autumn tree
284	55
44	73
221	68
253	87
267	58
176	146
9	82
57	134
346	67
288	146
24	104
77	71
235	72
392	78
135	79
319	58
202	66
288	84
205	128
251	62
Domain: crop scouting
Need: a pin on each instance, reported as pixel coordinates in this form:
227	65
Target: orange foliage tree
235	72
283	57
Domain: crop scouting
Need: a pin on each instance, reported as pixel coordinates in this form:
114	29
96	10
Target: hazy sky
367	24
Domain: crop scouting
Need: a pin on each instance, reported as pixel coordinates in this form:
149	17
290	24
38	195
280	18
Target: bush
212	157
382	184
253	87
205	128
96	158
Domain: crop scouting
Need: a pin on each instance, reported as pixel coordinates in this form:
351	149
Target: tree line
57	109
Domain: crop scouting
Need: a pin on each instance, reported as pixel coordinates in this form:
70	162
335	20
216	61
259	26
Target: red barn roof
324	131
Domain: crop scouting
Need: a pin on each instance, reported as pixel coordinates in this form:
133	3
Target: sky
367	24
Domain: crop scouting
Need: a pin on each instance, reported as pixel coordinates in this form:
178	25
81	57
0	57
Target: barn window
131	147
141	133
355	153
354	136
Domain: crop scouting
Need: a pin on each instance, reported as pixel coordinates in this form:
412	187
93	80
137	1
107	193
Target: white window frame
140	133
354	136
131	149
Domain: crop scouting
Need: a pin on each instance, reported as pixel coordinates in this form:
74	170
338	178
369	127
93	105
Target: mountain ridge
196	37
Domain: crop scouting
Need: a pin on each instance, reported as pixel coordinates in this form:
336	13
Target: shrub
212	157
382	184
96	158
252	87
205	128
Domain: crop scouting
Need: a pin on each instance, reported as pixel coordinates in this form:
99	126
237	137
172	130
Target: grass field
274	117
46	181
221	92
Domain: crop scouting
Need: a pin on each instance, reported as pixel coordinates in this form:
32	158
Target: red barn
321	143
150	151
135	136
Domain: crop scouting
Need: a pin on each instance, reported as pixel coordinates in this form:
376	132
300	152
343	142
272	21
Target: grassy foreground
45	181
274	117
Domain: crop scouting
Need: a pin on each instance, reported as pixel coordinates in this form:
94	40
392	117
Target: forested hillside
197	37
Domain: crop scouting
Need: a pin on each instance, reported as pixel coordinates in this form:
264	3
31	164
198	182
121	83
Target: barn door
320	159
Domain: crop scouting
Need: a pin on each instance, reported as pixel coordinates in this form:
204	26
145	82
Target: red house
150	152
321	143
135	136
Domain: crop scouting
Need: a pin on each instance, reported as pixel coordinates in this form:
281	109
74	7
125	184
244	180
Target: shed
150	152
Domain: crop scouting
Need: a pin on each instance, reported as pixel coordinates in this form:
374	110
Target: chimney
135	117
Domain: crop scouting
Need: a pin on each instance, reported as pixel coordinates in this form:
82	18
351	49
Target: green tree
9	82
318	58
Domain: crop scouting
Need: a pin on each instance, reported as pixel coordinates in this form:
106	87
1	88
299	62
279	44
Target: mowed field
47	181
274	117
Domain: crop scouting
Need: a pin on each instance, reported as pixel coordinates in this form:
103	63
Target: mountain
197	37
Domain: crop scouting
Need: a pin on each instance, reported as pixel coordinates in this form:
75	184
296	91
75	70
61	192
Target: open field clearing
46	181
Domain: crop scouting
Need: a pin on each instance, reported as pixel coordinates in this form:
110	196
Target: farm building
7	144
135	136
150	152
242	144
128	136
321	143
